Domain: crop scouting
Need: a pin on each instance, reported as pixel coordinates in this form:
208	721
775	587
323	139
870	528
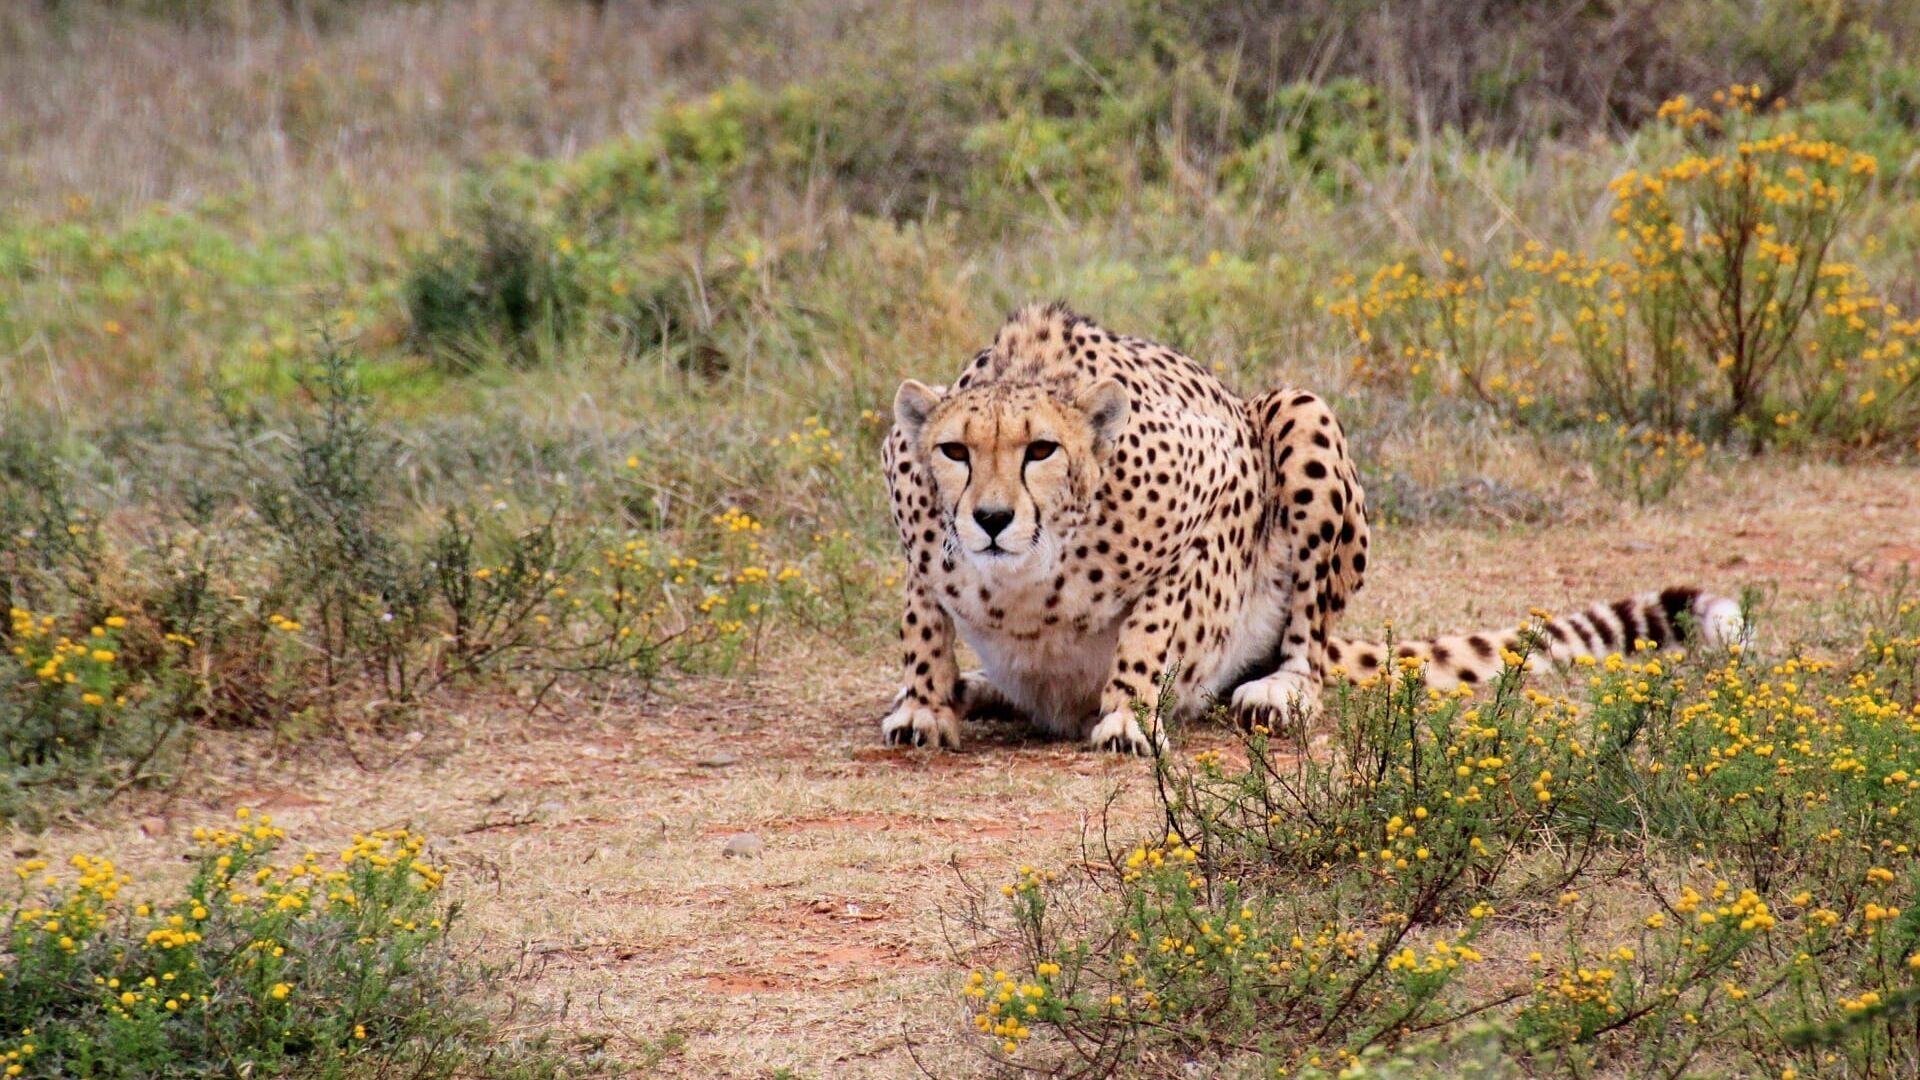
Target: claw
1119	732
1280	700
912	724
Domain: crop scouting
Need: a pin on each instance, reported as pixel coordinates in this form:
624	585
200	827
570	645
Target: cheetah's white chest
1056	679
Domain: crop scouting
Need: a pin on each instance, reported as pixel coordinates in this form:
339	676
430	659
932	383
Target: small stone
744	845
155	827
719	759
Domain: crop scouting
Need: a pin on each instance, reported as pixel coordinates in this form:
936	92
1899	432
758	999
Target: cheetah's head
1014	466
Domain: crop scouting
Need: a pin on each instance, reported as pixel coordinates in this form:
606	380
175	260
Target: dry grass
1775	525
364	121
587	844
129	112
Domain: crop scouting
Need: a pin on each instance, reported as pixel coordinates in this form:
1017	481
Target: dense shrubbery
1716	303
1430	865
656	241
1514	69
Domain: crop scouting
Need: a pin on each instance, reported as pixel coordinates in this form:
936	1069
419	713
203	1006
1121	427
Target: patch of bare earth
588	847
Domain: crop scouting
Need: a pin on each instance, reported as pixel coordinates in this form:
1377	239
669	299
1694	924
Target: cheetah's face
1014	467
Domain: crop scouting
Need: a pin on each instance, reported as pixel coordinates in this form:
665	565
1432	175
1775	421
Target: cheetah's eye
954	451
1041	450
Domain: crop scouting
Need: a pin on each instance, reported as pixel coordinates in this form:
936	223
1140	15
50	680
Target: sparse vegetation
297	580
365	360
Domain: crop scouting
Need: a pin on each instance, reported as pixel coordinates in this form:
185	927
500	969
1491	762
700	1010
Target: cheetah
1102	522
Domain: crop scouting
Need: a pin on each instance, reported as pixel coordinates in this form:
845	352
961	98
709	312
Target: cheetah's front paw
1120	732
913	724
1279	701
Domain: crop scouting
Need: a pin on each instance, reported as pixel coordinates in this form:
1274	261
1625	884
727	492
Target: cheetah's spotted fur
1093	513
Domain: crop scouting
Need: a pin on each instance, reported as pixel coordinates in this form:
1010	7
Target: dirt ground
588	848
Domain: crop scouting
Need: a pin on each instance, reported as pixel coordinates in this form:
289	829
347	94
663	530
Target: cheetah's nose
992	521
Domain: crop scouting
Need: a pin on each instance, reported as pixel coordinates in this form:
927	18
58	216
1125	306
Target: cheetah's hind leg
1313	555
977	698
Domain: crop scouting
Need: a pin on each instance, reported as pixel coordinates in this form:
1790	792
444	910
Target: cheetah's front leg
1140	661
923	711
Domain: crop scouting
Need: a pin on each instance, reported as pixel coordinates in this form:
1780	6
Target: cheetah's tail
1673	616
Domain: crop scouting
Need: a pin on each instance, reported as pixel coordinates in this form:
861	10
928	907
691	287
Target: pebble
719	759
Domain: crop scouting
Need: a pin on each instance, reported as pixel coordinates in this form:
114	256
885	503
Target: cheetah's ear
914	402
1106	406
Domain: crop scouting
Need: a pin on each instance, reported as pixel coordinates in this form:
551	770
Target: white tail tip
1720	621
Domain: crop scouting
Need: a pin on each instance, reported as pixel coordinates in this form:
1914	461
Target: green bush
549	253
322	965
255	965
506	292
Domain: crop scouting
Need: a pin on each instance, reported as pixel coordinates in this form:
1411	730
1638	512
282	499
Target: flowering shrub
1719	304
547	594
1433	864
257	964
76	711
74	690
1736	234
1645	463
1443	333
